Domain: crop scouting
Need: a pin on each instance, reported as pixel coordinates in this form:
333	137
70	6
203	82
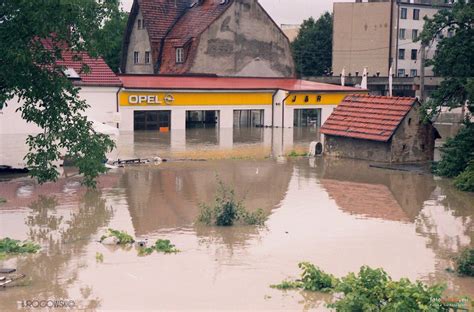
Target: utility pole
422	72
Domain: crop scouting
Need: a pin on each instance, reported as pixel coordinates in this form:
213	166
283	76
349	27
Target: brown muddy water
337	214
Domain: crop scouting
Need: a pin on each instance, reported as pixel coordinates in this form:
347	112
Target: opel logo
169	99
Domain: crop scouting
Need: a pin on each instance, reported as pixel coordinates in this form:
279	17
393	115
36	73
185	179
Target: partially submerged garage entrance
156	120
202	119
307	117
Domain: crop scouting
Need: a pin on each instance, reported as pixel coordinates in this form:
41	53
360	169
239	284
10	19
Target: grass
297	154
123	237
10	246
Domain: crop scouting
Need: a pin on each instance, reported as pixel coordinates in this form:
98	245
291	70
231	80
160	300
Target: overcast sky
286	11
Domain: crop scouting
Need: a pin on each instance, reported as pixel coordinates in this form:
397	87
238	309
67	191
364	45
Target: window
402	34
401	73
414	34
147	57
414	54
139	24
416	14
450	33
136	57
179	55
404	13
413	72
401	54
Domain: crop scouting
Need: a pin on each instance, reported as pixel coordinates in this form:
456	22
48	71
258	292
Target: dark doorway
202	119
152	121
248	118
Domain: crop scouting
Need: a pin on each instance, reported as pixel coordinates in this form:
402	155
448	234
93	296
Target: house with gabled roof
380	129
219	37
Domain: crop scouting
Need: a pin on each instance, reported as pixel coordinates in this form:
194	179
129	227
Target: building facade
222	37
379	129
380	34
167	103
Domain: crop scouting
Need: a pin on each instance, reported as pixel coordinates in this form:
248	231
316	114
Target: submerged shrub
12	246
457	153
123	237
465	181
161	245
312	279
372	290
465	263
227	210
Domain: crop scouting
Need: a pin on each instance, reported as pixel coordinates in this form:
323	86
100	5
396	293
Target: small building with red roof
164	103
221	37
380	129
98	87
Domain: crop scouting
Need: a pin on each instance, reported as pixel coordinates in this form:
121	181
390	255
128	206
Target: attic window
179	55
70	73
139	24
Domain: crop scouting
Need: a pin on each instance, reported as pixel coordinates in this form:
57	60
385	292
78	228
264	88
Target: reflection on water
338	214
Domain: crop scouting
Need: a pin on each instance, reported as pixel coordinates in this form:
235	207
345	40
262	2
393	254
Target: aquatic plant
372	290
99	257
123	237
465	263
227	210
12	246
161	245
312	279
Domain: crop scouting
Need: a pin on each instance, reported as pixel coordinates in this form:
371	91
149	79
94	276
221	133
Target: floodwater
337	214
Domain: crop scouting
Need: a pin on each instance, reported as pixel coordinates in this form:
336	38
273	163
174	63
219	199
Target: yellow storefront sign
315	98
130	98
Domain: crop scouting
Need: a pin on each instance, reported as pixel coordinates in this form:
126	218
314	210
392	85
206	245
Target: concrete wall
414	141
361	37
102	101
140	42
356	149
244	42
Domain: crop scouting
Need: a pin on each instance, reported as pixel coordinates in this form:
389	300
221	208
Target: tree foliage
29	73
109	39
312	48
454	55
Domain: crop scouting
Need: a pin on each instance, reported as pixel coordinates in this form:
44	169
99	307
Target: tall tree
454	62
454	56
312	48
29	72
109	39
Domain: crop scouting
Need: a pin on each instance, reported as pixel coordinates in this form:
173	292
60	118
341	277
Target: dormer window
179	55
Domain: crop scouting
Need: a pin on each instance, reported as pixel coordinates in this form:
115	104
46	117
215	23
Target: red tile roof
100	73
185	33
368	117
227	83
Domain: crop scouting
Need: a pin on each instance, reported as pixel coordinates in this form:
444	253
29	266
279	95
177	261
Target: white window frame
413	72
402	34
147	57
179	55
401	70
136	57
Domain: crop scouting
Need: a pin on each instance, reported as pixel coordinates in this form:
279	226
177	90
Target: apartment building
379	34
